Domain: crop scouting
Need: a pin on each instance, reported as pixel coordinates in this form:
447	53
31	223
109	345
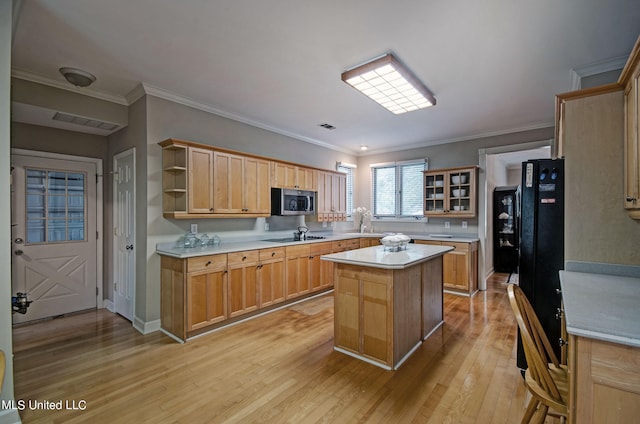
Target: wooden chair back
537	350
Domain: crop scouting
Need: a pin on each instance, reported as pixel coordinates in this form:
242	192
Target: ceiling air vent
328	126
87	122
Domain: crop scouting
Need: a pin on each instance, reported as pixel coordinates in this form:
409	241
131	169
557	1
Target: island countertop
603	307
378	257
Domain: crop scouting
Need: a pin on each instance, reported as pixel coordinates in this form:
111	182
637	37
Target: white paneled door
54	235
124	233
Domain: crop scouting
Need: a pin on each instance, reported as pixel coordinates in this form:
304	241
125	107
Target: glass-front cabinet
505	229
450	192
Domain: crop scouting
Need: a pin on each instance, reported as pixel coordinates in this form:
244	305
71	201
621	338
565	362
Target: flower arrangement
361	217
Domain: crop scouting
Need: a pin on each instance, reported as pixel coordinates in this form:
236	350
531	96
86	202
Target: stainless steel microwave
286	201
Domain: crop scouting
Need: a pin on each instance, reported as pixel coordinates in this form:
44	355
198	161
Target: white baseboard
146	327
108	304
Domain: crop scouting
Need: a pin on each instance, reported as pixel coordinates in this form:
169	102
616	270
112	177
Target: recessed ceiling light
389	83
363	147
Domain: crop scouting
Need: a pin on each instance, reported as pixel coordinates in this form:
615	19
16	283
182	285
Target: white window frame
349	170
398	192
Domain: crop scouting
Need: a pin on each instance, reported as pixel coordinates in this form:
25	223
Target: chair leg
531	409
541	414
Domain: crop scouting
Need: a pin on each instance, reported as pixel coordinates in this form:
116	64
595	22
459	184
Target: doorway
502	167
56	224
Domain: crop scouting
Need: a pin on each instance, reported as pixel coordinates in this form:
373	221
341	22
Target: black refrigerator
542	244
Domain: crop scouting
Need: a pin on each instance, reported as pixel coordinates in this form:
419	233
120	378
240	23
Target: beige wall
597	228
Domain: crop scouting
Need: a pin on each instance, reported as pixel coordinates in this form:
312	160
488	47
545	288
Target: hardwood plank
280	367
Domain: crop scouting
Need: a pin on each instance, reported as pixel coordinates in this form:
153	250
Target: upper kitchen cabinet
241	185
450	192
288	175
332	196
629	79
204	182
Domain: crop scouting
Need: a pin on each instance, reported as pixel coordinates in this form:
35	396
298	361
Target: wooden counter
386	303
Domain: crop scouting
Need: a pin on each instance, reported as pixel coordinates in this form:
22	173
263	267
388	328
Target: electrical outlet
447	224
194	228
464	224
324	224
266	226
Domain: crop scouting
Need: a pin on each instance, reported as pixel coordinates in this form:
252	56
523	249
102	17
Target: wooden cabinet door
632	145
455	270
257	187
243	296
347	312
306	179
376	307
200	192
271	282
206	298
228	183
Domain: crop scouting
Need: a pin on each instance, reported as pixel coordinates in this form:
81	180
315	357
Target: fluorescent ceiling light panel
389	83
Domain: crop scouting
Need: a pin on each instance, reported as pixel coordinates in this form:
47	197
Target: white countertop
601	306
377	257
173	250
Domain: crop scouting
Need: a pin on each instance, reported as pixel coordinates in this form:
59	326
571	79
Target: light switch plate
447	224
194	228
464	224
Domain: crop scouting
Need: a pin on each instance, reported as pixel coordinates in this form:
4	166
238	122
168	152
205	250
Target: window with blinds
397	188
349	171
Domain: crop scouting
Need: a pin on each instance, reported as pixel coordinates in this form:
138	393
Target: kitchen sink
291	239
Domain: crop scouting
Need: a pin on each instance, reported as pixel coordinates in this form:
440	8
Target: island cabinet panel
367	323
243	282
432	296
347	312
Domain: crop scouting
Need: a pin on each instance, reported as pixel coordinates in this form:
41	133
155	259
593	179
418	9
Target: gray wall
166	119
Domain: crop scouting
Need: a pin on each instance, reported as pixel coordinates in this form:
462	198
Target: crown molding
530	127
595	68
185	101
29	76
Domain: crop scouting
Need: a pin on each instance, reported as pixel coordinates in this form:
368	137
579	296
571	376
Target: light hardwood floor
278	368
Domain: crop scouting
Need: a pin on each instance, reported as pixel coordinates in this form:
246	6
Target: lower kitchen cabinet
243	282
297	270
320	272
271	276
604	381
460	266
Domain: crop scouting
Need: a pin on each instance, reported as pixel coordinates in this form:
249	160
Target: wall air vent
87	122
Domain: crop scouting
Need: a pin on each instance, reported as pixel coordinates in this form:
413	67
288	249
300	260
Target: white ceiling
494	66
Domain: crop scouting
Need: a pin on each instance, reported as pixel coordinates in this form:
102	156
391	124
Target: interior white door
124	233
54	253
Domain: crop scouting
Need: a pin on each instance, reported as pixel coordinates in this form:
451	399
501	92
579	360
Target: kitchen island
386	303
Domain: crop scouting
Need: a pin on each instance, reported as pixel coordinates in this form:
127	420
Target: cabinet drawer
430	242
346	244
275	253
245	257
319	248
297	251
201	263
